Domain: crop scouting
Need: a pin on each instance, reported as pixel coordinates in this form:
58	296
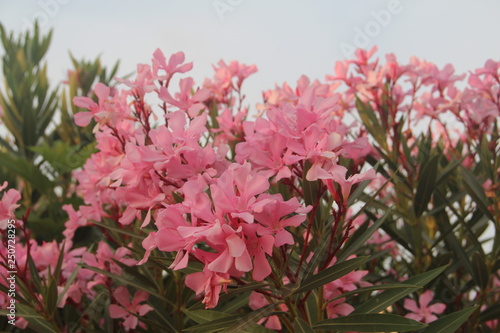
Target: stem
308	232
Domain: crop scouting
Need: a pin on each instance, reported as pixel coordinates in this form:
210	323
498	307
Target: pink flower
183	100
235	192
337	307
230	126
338	175
222	84
424	313
8	205
143	82
258	246
350	281
275	217
104	259
174	65
209	284
76	220
84	118
128	310
233	250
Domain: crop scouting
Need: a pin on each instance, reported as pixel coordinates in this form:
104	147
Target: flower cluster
206	207
191	192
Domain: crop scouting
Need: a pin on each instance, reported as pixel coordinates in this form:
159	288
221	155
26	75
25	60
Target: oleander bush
366	202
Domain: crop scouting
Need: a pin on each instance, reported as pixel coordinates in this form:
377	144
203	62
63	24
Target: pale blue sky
283	38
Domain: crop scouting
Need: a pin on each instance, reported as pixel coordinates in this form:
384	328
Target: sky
285	39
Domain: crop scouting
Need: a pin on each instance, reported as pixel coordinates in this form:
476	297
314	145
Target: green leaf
371	122
232	292
235	303
118	230
480	270
382	301
35	321
235	323
57	272
476	191
387	286
426	185
204	316
258	329
35	277
68	283
213	326
355	242
300	326
358	191
453	243
370	323
491	313
330	274
124	279
250	319
451	322
64	157
318	257
28	172
134	273
446	172
50	296
311	192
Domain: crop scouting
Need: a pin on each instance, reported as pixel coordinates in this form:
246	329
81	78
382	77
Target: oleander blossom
127	309
177	178
8	205
423	311
220	200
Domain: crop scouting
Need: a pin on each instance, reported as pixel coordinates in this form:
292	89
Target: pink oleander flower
338	175
127	309
337	307
175	65
104	260
143	83
84	118
192	104
209	284
230	126
425	313
350	281
8	205
76	220
306	129
222	83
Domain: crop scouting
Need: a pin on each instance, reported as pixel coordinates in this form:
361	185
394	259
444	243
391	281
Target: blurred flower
424	313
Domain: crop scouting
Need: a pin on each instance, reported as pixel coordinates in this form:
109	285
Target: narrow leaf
204	316
382	301
370	323
475	190
330	274
250	319
300	326
355	243
426	185
451	322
